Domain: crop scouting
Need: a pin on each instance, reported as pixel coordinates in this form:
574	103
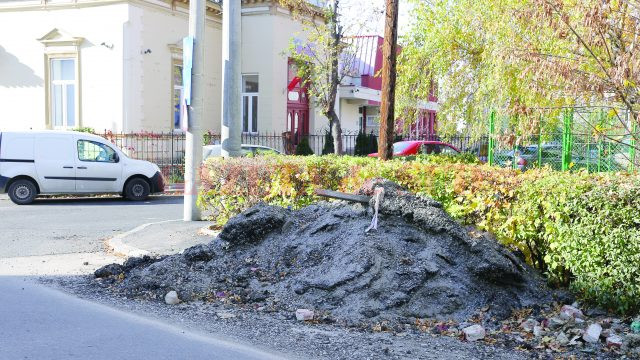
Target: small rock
592	335
171	298
635	326
109	270
538	331
85	263
569	311
555	323
574	341
562	339
474	333
225	315
304	314
529	324
578	320
614	341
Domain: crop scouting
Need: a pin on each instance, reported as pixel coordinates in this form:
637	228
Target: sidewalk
161	238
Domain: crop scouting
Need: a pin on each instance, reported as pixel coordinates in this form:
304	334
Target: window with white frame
63	90
250	103
373	124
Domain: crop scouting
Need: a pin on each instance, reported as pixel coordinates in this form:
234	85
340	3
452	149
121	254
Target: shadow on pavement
111	200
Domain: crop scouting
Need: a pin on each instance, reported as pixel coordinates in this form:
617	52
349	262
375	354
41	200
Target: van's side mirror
116	158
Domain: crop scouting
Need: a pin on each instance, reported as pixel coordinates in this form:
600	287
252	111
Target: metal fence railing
567	149
560	151
167	149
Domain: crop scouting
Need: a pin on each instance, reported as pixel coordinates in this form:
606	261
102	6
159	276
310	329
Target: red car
415	147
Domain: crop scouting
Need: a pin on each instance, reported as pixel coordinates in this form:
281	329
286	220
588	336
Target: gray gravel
282	333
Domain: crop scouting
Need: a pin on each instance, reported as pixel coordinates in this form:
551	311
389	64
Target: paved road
64	226
41	323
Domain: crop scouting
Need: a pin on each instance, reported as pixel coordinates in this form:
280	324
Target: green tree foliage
521	56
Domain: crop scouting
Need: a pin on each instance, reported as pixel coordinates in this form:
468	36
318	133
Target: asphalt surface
41	323
76	225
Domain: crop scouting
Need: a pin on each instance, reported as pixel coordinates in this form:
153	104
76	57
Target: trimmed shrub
362	145
580	228
328	147
373	143
303	147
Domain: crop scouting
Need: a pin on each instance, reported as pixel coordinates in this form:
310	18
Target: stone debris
614	341
419	263
555	323
538	331
562	339
569	312
529	324
171	298
304	315
592	334
474	333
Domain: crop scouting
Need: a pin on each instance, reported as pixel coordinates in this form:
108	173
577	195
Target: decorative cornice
58	37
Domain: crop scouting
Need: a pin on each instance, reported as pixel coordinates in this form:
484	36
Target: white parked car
246	149
69	162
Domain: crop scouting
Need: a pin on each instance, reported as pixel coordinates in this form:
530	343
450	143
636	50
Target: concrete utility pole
193	155
389	55
231	134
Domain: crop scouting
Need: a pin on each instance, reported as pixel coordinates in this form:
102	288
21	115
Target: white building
116	65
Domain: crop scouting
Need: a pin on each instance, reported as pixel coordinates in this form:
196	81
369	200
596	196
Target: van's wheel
22	192
137	189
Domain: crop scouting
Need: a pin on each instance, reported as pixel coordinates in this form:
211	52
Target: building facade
116	65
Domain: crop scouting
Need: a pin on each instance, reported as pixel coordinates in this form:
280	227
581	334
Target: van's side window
94	151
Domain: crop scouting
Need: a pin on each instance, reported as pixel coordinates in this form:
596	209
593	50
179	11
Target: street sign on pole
185	95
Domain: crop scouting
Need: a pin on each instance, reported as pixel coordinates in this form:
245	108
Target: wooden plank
343	196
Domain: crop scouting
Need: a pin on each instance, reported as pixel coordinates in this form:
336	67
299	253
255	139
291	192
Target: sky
371	12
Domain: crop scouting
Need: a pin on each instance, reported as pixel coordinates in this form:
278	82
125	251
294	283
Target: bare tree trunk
336	132
385	145
336	37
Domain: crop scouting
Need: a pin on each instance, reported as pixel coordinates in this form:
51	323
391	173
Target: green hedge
579	228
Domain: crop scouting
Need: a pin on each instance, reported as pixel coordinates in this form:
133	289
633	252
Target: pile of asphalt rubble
419	263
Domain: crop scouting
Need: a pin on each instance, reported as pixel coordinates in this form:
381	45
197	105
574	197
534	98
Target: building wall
349	116
266	32
126	84
22	63
148	95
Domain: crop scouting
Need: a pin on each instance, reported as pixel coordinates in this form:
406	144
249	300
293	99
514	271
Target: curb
118	247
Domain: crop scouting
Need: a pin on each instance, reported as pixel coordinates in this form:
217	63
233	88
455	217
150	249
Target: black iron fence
167	149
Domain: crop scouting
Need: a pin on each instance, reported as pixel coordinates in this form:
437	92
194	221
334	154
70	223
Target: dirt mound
419	263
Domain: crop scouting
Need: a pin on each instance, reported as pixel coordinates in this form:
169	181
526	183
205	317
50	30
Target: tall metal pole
389	55
231	78
193	153
492	130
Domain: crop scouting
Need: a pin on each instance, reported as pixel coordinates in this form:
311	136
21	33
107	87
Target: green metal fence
568	149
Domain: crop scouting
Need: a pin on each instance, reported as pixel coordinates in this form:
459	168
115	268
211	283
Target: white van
69	162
